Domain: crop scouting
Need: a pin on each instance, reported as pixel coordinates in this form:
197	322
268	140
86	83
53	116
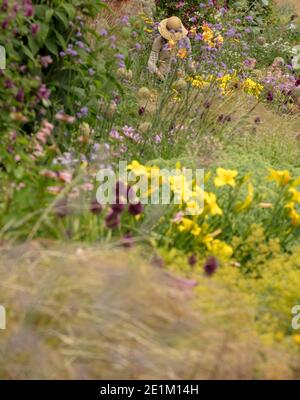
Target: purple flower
20	96
35	29
43	92
28	10
80	44
5	23
249	18
120	56
45	61
8	84
210	266
91	71
270	96
62	53
138	46
257	120
4	6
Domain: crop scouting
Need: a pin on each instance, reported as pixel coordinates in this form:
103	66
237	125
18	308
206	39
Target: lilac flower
248	30
80	44
78	34
238	21
72	52
125	20
62	53
45	61
193	19
231	32
115	135
120	56
157	139
91	71
138	46
82	113
249	18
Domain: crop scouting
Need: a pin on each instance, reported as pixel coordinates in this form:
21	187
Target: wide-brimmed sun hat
172	29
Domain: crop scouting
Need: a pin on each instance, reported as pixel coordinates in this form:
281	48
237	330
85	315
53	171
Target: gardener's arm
154	56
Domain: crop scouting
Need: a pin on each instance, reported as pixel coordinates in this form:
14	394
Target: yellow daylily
225	177
196	230
296	338
282	177
248	200
185	225
210	200
295	217
295	195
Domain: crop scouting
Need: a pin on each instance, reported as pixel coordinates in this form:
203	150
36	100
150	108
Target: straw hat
172	29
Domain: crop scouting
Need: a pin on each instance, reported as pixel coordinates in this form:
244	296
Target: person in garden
171	44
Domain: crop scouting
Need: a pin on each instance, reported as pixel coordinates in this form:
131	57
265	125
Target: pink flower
65	176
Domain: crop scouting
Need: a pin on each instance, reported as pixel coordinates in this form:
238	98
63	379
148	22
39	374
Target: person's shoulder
158	42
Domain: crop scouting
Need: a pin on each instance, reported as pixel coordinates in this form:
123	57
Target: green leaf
62	16
60	39
33	45
43	33
48	16
28	53
51	46
71	11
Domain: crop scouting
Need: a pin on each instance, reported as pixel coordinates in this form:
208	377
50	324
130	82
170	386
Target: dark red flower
211	266
95	207
112	220
135	209
270	96
192	260
20	96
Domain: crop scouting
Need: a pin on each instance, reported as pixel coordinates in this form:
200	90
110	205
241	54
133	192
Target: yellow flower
295	195
219	40
281	177
295	217
196	230
182	53
225	177
251	87
296	338
220	248
171	44
248	200
185	225
211	202
138	168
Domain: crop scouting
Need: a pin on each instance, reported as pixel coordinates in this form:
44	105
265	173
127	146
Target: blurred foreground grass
102	313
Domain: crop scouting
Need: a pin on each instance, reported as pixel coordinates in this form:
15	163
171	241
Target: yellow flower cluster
251	87
209	37
224	83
